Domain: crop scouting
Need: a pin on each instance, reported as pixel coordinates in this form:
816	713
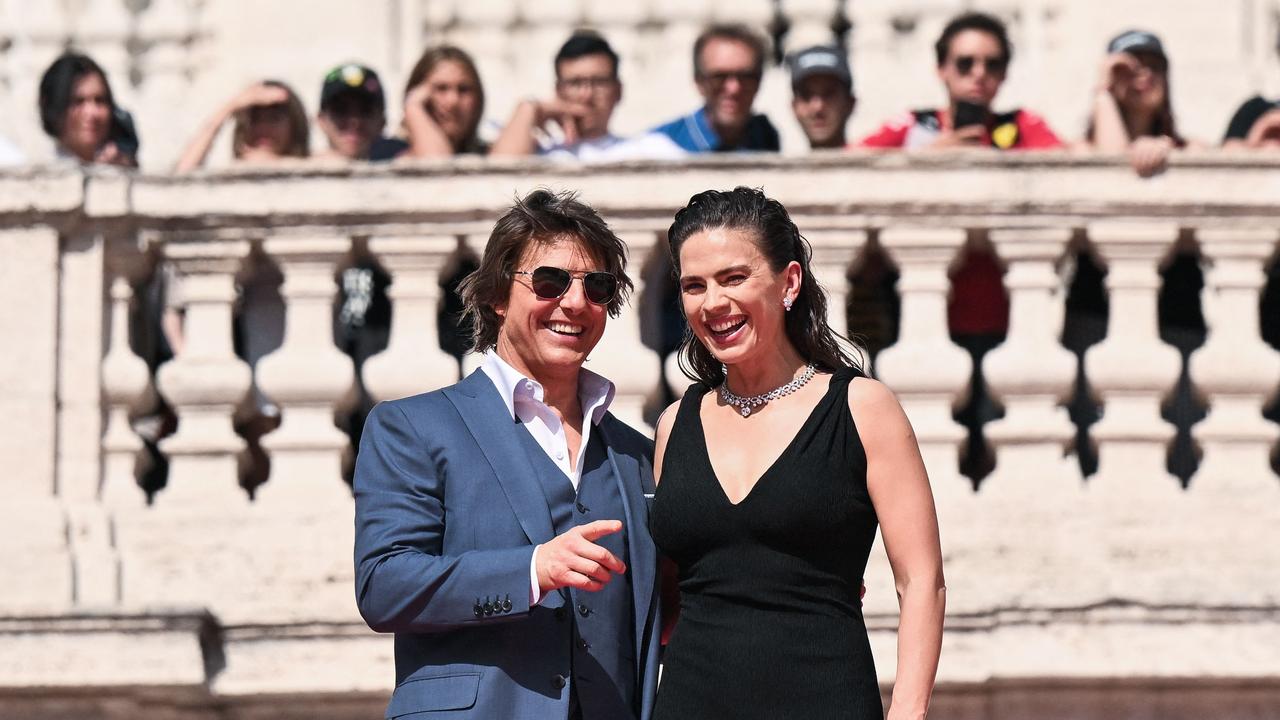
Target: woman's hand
1150	155
258	94
1117	72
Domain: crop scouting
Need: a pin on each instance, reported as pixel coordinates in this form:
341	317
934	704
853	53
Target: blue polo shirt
694	134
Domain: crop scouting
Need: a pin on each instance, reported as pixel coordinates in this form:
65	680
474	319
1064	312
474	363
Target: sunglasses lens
996	67
964	65
550	282
600	287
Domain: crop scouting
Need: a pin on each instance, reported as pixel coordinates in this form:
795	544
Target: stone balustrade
244	589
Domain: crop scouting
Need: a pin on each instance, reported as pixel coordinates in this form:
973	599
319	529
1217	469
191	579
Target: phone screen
968	113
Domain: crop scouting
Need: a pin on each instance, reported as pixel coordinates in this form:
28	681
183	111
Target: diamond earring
786	303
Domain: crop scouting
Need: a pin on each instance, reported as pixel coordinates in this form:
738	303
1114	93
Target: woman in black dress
774	471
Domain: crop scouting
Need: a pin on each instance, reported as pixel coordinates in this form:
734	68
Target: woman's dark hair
981	22
57	86
779	240
427	65
545	218
583	43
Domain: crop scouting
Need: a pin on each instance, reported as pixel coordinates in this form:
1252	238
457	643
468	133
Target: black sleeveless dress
770	621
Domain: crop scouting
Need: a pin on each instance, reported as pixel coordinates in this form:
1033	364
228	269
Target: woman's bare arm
903	501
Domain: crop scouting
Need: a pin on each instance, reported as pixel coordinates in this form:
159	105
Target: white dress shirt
523	397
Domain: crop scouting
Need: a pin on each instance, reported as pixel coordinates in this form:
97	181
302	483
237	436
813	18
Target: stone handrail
1051	574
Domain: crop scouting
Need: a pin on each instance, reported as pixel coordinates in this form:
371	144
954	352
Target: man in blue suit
501	525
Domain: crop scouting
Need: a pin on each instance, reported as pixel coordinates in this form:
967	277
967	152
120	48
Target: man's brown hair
736	32
542	217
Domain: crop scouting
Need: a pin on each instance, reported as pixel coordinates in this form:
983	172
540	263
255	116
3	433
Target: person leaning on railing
1132	112
973	55
270	124
443	107
588	90
78	110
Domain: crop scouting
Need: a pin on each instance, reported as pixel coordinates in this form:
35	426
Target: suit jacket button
478	610
558	682
488	607
506	605
583	610
582	643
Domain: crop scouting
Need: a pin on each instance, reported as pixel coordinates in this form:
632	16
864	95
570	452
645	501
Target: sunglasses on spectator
718	79
551	283
590	84
994	65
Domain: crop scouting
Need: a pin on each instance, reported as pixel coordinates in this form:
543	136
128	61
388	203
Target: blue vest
603	665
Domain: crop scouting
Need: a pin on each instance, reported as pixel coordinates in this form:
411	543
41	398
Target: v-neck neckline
706	449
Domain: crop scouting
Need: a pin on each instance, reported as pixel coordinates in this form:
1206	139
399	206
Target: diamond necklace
746	404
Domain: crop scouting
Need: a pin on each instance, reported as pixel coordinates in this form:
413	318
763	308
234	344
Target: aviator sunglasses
550	283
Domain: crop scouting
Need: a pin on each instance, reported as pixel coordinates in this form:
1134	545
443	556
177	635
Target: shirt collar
704	136
595	392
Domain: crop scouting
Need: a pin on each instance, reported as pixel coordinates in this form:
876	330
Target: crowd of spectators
1130	113
444	102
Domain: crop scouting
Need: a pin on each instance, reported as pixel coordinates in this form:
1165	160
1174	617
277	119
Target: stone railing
202	586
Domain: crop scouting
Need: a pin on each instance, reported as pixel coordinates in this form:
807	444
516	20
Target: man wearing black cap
822	95
352	112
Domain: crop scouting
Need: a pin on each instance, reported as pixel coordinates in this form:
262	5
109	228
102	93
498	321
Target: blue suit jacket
447	515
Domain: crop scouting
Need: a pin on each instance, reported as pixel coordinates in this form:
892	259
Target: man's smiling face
550	338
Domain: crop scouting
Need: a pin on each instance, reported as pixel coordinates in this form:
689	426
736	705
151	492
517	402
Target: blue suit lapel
640	548
486	417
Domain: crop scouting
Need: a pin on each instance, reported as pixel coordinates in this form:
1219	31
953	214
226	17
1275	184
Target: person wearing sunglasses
501	522
973	55
728	63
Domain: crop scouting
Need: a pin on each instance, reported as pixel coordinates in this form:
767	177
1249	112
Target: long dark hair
779	240
57	85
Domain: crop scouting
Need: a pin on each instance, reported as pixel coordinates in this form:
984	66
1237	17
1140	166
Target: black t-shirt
1248	114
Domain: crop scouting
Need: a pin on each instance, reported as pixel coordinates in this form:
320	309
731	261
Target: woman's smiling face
731	297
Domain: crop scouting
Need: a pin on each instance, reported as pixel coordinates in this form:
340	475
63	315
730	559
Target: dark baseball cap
1136	41
354	79
820	60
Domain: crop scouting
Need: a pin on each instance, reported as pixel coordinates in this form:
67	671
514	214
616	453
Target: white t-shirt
10	155
650	146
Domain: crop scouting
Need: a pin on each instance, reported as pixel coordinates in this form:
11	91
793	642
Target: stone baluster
810	23
927	371
1031	372
306	375
1235	368
413	361
33	516
1132	370
205	381
621	356
833	252
125	382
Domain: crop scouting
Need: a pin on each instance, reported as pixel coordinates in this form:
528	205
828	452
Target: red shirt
1016	130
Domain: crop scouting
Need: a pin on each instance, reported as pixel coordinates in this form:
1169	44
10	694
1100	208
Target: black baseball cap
820	60
1136	41
354	79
